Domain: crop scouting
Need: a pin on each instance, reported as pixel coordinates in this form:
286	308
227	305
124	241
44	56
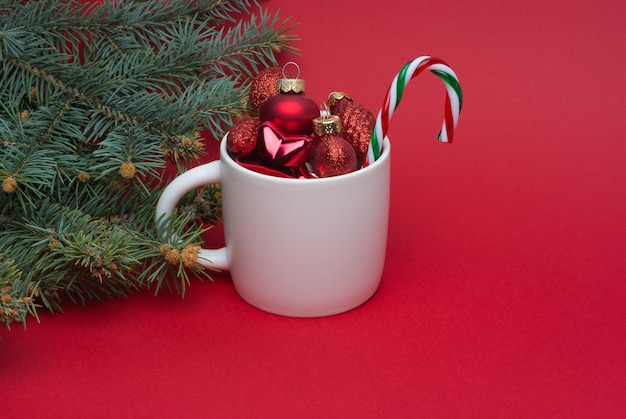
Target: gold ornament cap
335	96
327	125
291	86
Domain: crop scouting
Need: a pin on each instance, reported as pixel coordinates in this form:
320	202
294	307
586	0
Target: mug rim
227	159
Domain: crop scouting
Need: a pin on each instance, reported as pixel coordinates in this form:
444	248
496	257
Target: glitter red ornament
356	120
242	136
332	155
290	110
263	86
337	101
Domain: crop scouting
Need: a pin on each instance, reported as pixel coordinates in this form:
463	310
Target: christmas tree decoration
290	110
264	85
242	136
452	109
333	155
357	123
284	153
101	103
337	101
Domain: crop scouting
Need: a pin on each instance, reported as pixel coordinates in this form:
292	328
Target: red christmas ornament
242	136
264	85
337	101
291	111
357	122
278	149
277	154
333	155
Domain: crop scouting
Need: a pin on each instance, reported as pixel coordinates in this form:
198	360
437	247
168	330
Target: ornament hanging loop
324	112
291	63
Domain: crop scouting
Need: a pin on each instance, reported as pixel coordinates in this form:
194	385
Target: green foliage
96	102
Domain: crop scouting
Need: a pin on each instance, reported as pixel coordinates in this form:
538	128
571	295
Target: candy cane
454	101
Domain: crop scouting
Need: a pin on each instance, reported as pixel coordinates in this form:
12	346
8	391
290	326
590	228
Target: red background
504	292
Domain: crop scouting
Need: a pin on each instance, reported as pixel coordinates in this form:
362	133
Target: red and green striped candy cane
453	104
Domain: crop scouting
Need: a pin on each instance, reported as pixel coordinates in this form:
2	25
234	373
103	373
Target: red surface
504	292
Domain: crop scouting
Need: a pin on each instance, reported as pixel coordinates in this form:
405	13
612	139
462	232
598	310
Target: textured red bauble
338	100
357	122
333	156
263	86
242	136
293	113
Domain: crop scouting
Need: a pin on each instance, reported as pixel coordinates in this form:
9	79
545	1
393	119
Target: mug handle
193	178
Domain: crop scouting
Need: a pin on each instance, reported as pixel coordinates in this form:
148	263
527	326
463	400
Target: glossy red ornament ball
242	137
333	156
292	113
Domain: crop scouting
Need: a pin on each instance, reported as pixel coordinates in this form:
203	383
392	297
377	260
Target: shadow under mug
296	247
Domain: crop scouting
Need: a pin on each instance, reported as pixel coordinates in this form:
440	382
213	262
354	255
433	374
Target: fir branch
235	48
93	101
74	93
16	296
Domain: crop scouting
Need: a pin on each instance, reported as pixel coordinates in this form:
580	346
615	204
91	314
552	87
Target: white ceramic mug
296	247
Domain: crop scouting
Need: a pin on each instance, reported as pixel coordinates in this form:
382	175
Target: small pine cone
189	255
9	185
188	209
34	291
186	142
83	177
127	170
51	295
171	255
53	245
117	185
